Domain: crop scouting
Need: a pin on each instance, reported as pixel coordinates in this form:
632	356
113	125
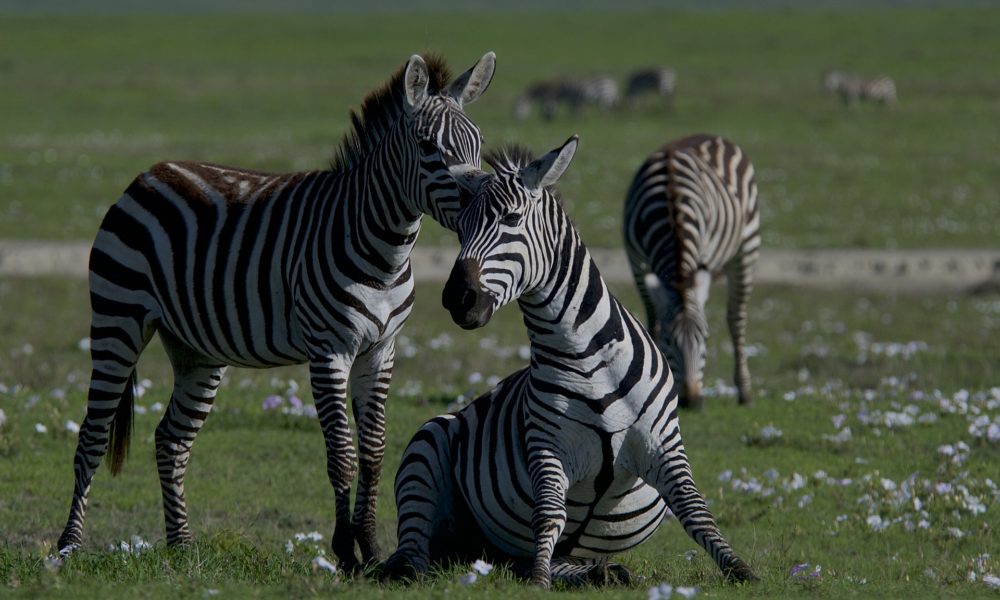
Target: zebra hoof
739	572
398	568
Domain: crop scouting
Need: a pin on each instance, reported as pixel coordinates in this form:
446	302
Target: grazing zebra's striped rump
577	457
691	214
236	267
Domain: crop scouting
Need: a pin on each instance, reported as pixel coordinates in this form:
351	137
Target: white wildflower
321	563
482	567
660	592
72	426
39	428
468	579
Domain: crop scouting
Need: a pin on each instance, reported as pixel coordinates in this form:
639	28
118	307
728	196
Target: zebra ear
415	81
548	169
471	85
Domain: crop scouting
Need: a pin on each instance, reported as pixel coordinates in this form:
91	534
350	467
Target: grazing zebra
236	267
659	81
600	91
577	456
690	214
852	88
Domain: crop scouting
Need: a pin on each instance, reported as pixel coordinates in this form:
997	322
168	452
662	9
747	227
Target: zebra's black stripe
578	456
236	267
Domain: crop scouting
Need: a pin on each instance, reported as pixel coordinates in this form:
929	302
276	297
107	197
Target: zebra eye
511	219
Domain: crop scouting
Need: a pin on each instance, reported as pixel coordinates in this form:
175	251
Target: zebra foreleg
739	284
370	378
329	385
671	476
195	386
548	519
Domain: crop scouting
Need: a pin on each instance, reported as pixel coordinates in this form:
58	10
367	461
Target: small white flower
468	579
52	563
482	567
289	547
321	563
84	344
686	592
475	377
72	426
660	592
992	581
956	533
3	418
39	428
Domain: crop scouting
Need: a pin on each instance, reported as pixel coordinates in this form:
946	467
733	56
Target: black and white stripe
690	214
658	82
574	458
852	88
235	267
575	94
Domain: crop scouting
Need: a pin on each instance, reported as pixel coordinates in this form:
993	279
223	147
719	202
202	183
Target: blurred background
91	98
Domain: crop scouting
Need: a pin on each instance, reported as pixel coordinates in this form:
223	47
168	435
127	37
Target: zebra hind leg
577	572
196	381
116	342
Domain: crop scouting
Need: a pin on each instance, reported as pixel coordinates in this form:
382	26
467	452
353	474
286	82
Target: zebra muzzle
470	306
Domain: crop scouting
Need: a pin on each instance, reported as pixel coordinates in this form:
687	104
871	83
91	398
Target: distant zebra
690	214
577	456
574	93
852	88
236	267
660	81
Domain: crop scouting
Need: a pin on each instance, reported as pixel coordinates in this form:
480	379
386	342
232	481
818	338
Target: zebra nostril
468	300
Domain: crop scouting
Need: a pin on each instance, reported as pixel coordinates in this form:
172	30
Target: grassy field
868	453
90	101
882	509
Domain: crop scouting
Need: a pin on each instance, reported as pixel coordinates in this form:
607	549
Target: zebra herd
659	83
570	460
600	91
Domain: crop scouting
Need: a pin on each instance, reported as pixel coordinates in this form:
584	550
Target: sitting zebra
659	81
574	458
852	88
236	267
600	91
690	214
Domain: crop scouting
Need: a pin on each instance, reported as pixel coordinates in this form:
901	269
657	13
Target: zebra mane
511	157
380	109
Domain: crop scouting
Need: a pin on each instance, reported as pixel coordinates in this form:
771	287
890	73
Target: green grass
257	478
90	101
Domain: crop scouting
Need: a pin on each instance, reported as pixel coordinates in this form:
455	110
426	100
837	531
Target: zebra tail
120	430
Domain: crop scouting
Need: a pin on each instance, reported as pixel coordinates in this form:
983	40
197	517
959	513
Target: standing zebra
660	81
600	91
852	88
690	214
235	267
577	456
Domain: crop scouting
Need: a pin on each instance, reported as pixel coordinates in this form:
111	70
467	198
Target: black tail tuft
121	426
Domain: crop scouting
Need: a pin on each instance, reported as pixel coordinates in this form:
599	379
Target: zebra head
508	240
448	142
681	330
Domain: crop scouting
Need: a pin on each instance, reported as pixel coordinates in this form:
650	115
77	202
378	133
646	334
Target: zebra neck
382	219
573	317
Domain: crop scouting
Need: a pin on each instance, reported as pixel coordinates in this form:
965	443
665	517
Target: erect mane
510	157
380	109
